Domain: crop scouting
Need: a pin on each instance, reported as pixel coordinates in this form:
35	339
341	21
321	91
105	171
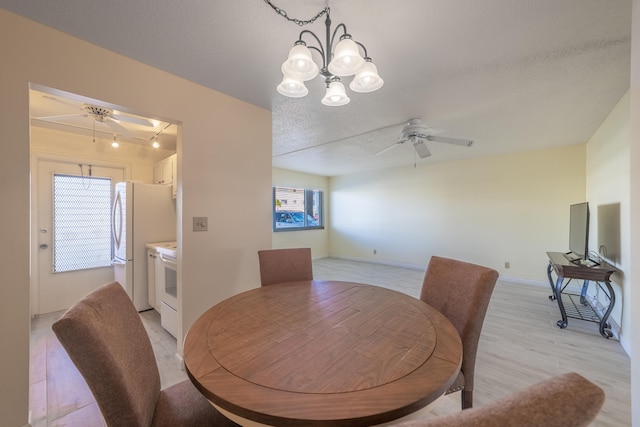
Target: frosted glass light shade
335	95
346	59
299	65
292	88
367	79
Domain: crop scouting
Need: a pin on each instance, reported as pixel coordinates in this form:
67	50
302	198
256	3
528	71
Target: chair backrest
567	400
461	291
285	265
106	340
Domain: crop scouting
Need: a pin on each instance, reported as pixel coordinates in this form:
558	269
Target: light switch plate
200	223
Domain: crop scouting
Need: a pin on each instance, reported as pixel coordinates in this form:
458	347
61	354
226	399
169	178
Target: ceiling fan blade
130	119
389	148
117	127
454	141
58	118
421	149
62	101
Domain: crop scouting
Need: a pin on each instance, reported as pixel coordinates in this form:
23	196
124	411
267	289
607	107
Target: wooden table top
322	353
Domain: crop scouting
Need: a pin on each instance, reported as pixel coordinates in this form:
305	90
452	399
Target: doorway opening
86	143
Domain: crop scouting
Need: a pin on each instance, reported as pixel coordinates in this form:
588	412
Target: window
81	222
297	209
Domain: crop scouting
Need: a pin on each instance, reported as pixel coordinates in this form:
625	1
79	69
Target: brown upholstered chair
285	265
106	340
567	400
461	291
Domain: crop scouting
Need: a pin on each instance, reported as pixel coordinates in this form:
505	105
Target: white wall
215	171
317	240
608	180
633	275
510	208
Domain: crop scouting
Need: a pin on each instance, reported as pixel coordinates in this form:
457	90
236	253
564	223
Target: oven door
169	281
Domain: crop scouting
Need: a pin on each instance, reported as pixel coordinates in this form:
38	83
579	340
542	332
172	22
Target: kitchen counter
165	248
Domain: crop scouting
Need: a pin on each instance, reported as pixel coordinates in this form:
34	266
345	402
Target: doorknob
43	246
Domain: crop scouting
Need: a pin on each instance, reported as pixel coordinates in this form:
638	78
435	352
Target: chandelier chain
300	22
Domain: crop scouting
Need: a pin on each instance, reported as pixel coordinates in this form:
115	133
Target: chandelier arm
320	49
333	37
366	56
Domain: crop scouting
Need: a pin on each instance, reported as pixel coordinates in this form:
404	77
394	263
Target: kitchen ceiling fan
417	134
100	115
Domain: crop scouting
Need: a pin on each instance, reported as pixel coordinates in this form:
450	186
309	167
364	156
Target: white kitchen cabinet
163	171
152	256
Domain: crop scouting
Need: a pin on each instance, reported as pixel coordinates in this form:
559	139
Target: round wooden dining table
324	353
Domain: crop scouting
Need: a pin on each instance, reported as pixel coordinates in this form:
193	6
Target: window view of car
287	219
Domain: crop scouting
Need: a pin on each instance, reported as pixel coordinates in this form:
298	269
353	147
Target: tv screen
579	230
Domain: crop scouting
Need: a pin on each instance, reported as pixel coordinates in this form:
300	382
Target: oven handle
168	261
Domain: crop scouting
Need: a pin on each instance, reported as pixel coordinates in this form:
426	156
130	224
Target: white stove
166	279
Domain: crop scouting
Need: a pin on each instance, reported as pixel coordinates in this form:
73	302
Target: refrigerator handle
117	211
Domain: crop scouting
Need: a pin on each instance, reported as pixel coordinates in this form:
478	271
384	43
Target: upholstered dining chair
285	265
567	400
106	340
461	291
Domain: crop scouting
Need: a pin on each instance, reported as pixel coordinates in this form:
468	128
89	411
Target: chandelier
346	60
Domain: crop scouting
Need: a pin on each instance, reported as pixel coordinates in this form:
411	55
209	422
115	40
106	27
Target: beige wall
510	208
608	179
215	170
317	240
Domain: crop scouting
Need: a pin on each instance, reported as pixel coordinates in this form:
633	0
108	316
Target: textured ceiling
512	75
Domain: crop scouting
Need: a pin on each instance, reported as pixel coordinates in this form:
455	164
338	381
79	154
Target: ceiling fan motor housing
415	129
98	113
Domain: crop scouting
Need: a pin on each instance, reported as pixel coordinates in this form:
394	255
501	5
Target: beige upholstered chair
567	400
106	340
461	291
285	265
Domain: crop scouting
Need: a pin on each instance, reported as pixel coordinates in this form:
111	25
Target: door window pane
81	222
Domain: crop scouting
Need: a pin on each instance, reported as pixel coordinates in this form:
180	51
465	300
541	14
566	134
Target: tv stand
574	305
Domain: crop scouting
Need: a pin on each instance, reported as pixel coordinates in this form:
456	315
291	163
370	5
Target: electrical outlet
507	264
200	223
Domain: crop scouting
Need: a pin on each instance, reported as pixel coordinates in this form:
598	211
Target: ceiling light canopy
343	61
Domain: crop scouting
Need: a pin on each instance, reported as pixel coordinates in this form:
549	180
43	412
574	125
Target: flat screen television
579	231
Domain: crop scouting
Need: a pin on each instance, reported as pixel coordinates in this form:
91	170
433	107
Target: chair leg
466	398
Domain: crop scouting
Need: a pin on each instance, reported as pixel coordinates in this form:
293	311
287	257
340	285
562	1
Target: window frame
307	192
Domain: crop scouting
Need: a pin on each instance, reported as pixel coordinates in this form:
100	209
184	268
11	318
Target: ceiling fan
417	134
100	115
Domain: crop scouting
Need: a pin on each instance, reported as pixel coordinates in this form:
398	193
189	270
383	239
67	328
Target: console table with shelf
576	305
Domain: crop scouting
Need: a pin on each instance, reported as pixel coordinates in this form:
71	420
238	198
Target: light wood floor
520	345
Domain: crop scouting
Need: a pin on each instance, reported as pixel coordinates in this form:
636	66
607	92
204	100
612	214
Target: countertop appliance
141	213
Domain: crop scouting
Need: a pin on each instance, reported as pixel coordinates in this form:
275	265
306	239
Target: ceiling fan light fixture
114	143
336	94
299	65
367	79
347	60
292	88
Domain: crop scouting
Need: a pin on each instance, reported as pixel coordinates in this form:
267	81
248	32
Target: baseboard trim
423	268
389	263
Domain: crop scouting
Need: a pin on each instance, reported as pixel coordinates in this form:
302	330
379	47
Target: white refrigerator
142	213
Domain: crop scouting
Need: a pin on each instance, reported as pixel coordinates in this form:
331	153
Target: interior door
58	286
